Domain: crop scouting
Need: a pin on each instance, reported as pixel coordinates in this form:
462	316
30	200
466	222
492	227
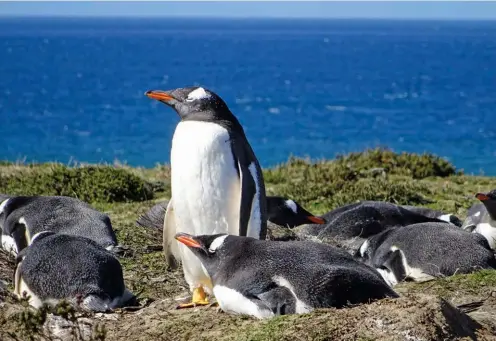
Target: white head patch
445	217
292	205
217	243
3	204
364	248
199	93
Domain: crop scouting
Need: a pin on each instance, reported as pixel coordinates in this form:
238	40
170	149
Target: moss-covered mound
89	183
418	166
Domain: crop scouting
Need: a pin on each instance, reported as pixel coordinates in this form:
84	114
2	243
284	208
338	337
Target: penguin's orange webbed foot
199	298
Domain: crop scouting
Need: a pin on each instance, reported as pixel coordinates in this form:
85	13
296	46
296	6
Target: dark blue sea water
72	89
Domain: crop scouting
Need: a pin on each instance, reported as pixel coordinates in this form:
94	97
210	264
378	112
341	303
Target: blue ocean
72	89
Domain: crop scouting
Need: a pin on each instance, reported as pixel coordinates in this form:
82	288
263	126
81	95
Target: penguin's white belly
206	188
232	301
489	232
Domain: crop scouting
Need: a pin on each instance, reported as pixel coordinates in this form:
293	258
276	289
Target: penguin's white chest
489	232
204	180
206	189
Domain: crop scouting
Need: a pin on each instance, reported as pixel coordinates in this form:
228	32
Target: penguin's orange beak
316	220
159	95
187	240
481	196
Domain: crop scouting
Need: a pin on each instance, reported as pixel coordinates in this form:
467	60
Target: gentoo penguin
288	213
481	218
280	211
23	216
424	251
348	226
6	241
216	181
429	212
264	278
60	266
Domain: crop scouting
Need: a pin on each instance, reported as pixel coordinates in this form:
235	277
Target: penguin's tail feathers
154	218
170	244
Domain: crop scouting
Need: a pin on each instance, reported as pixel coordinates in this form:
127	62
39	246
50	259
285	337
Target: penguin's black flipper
248	192
279	299
250	174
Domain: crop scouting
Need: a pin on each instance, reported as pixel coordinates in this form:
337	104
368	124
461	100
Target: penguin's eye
189	99
210	250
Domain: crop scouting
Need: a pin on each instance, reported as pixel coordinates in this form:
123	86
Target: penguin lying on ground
216	181
481	218
424	251
23	216
267	278
6	241
429	212
280	211
348	226
60	266
288	213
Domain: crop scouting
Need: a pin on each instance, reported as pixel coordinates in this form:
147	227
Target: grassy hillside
125	193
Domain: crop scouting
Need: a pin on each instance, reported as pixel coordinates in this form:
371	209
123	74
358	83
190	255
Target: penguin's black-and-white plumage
349	225
425	251
59	267
265	278
288	213
24	216
216	181
6	241
481	217
431	213
280	211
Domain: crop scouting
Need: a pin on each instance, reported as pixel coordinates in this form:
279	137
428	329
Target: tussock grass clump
329	184
89	183
418	166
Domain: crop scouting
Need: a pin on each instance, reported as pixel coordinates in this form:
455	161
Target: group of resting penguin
215	226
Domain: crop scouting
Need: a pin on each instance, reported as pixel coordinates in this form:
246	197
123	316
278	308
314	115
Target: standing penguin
481	218
266	278
216	180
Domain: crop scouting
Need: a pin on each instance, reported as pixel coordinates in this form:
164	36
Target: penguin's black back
321	275
59	214
358	221
63	266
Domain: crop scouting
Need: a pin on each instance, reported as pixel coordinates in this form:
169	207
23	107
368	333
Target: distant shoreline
275	18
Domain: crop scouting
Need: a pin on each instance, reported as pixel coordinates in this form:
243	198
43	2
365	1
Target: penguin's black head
288	213
206	247
210	249
486	196
489	201
193	103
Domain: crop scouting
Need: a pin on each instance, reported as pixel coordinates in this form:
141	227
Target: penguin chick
265	278
24	216
481	218
59	266
424	251
429	212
